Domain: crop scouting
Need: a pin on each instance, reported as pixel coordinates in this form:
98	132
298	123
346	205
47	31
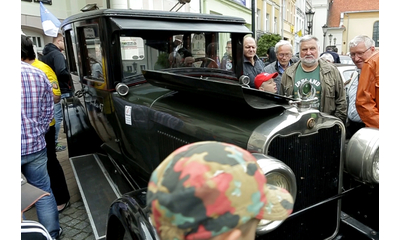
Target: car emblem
311	123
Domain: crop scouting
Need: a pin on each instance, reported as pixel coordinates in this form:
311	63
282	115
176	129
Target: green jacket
333	95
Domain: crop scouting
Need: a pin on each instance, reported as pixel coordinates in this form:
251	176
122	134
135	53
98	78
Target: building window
375	33
258	19
36	41
287	17
275	24
267	23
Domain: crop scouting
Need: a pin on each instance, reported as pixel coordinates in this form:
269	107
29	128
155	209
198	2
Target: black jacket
335	56
273	67
252	71
271	56
53	57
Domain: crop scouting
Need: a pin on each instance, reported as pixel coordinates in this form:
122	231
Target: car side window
133	55
91	54
70	48
144	50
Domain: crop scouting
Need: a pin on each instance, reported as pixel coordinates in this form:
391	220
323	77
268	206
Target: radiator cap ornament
306	96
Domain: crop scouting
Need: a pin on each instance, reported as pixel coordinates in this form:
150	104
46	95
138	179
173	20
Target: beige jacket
333	95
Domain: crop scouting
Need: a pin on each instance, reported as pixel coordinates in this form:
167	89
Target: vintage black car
148	82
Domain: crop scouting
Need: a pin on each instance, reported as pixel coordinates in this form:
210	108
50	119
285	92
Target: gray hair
307	38
283	43
249	36
362	39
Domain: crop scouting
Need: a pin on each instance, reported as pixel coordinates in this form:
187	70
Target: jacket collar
324	67
255	58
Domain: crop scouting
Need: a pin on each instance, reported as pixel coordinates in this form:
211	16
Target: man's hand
56	98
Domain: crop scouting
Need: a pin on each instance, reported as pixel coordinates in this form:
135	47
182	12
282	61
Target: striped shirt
36	108
352	113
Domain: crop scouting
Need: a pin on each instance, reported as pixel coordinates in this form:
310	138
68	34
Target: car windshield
166	50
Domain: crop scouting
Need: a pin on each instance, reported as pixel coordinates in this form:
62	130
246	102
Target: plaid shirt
36	108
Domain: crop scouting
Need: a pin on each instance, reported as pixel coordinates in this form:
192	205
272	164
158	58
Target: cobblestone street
74	220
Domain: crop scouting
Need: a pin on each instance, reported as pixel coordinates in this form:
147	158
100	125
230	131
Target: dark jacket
252	71
273	67
271	56
336	58
53	57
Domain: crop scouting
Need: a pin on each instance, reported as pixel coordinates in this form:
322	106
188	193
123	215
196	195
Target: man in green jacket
324	78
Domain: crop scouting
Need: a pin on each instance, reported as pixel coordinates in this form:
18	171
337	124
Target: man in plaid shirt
36	114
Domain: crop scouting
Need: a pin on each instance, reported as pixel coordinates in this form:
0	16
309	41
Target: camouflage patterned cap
204	189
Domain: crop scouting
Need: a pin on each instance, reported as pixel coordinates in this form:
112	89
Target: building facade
345	20
300	23
268	17
239	8
31	23
289	20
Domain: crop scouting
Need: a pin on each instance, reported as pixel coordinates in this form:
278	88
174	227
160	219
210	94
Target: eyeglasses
228	47
281	55
353	55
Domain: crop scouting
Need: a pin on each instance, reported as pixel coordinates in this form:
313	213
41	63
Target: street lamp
324	30
330	39
310	16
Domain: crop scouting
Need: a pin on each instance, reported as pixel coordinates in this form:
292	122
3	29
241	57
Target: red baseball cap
263	77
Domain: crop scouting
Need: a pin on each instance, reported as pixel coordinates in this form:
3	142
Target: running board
97	190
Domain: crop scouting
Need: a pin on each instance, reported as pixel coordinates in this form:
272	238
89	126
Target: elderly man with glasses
284	55
363	92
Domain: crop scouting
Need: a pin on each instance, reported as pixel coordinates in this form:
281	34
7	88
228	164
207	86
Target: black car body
136	100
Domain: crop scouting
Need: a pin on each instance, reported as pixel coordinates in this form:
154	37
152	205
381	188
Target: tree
265	42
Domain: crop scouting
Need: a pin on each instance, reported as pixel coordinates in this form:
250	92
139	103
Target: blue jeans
58	115
66	95
34	167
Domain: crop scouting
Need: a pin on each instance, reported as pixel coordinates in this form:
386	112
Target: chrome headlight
244	80
122	89
362	155
280	175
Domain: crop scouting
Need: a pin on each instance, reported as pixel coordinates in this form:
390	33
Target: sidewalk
74	220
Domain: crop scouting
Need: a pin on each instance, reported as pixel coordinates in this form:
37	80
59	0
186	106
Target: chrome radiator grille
315	160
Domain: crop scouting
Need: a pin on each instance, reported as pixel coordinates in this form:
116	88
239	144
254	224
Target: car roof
344	65
151	14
